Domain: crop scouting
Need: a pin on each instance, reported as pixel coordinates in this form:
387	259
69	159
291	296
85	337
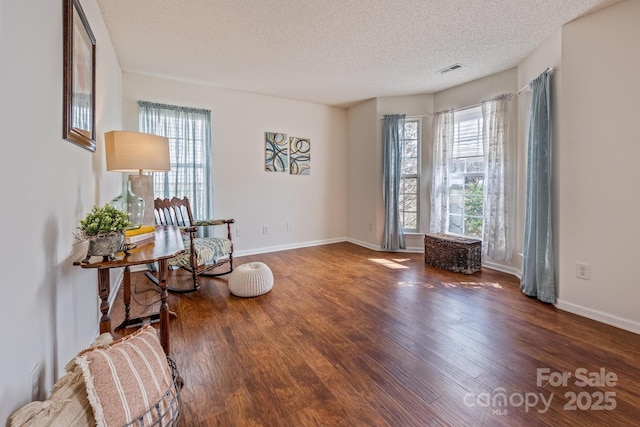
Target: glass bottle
130	203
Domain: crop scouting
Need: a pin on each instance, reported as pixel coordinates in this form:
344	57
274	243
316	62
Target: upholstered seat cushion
208	251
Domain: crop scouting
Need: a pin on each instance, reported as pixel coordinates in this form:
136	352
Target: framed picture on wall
299	156
276	152
79	74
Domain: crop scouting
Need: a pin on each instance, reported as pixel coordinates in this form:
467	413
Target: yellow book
141	230
139	238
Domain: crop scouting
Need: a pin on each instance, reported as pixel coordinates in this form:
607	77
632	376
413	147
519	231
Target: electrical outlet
238	232
265	229
289	226
583	270
34	382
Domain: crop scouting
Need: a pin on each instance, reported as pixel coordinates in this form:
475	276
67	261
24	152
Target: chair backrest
173	211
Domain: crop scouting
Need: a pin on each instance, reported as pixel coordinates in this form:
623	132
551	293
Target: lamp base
142	186
128	202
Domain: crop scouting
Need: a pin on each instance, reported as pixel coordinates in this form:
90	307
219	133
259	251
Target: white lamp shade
135	151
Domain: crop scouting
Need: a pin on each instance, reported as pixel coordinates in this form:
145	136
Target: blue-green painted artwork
276	152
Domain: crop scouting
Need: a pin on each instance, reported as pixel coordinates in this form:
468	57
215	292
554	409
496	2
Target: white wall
49	308
474	92
364	175
598	156
316	204
366	210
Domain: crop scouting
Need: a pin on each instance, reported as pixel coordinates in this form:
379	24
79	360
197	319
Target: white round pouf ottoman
251	279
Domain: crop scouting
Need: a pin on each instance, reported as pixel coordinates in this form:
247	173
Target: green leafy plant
473	206
104	220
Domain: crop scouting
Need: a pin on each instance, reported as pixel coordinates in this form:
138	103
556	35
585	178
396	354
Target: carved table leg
103	290
163	266
126	283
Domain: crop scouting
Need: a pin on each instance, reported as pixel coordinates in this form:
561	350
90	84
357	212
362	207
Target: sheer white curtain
189	133
443	132
496	230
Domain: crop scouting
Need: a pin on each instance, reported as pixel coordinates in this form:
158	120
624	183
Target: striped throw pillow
126	378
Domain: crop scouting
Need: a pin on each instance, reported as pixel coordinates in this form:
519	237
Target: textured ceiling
334	52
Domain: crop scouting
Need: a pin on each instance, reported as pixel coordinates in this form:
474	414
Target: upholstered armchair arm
189	230
205	222
213	222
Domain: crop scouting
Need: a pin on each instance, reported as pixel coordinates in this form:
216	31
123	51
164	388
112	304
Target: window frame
416	176
460	116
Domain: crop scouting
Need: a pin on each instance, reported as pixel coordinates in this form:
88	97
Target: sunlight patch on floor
473	285
394	264
415	284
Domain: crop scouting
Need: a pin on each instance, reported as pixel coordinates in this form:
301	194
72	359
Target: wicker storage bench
453	253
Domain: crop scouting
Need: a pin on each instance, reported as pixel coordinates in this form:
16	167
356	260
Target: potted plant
104	228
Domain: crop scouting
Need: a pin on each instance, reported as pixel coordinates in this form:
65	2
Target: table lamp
136	152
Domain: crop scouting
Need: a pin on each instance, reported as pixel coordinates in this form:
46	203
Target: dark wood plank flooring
354	337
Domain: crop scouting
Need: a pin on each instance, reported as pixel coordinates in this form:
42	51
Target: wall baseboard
257	251
363	244
599	316
503	268
416	249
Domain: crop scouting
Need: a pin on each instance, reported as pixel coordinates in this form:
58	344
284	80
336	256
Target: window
410	177
187	163
189	133
466	174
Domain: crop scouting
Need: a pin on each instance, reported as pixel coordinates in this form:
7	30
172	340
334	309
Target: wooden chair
202	254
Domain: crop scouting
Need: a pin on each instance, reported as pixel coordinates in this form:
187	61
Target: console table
166	244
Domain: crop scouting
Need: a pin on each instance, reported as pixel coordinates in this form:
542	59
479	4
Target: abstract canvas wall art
276	152
299	156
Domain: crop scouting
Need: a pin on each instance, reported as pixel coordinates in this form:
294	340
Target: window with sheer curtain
189	133
473	177
466	174
410	177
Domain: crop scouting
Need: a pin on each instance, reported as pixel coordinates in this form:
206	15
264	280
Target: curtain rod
548	70
525	87
413	117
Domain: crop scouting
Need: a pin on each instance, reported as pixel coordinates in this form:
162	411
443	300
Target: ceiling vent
449	68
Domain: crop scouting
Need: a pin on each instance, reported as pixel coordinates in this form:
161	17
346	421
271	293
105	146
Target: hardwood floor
354	337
